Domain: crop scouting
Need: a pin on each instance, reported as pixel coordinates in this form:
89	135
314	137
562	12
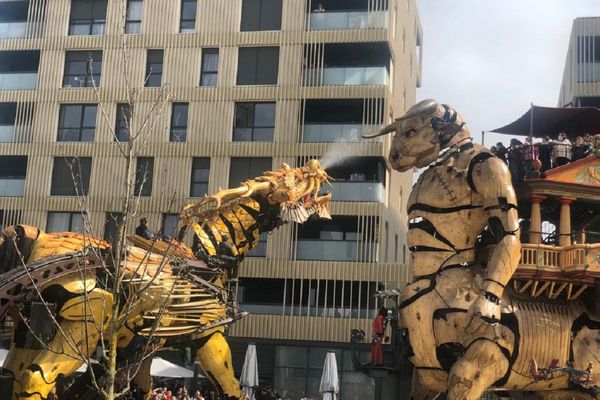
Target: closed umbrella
249	376
330	384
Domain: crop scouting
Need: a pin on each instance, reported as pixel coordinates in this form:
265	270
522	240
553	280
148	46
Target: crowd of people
165	392
521	156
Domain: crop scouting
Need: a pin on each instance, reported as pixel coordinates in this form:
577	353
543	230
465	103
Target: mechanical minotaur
186	297
469	330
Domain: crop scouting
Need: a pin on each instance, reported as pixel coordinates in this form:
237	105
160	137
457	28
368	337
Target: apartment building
581	79
255	83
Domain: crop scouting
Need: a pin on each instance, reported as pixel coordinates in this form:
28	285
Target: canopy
166	369
552	120
330	384
249	376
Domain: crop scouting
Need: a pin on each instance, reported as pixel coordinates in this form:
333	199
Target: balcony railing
328	133
357	191
348	20
10	30
333	250
12	187
346	76
18	80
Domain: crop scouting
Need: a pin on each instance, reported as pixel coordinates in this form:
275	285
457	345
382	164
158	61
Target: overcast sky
490	58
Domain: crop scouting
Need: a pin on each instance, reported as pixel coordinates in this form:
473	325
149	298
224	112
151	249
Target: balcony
358	191
7	133
18	69
346	76
329	133
588	72
348	20
333	250
12	187
263	309
13	19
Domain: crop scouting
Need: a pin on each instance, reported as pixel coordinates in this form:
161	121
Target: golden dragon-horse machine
186	289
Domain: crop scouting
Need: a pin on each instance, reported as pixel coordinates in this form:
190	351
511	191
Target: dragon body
185	295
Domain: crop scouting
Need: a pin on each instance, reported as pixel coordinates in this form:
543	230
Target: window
133	21
123	123
169	225
143	176
254	122
65	222
77	123
200	175
261	15
82	69
261	247
244	168
187	22
261	296
154	67
19	69
111	226
210	67
8	116
87	17
13	170
71	176
258	66
179	122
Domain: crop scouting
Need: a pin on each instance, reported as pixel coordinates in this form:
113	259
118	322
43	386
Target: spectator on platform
378	334
545	153
529	153
515	160
580	149
561	152
502	152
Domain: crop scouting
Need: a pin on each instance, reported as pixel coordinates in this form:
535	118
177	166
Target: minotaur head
422	133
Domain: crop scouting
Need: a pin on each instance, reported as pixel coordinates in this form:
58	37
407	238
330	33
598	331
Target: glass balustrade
10	30
262	309
329	133
7	133
331	250
348	20
357	191
588	72
12	187
346	76
18	80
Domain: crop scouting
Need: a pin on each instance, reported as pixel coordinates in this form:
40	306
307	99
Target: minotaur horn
425	107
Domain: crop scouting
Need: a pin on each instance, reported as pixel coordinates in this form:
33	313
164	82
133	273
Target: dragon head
297	191
422	134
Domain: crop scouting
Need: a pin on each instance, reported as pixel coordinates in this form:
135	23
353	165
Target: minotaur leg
481	366
215	358
418	391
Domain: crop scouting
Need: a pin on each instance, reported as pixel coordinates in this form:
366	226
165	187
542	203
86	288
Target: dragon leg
82	319
481	366
214	356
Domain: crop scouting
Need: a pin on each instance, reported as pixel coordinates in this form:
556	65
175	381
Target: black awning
552	120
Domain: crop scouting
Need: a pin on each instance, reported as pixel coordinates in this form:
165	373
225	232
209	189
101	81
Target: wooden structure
566	264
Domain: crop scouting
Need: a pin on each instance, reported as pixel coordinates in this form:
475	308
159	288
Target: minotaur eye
410	132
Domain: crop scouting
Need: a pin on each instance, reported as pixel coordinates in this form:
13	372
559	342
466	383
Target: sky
490	59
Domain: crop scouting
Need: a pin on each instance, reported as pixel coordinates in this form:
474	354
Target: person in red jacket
378	333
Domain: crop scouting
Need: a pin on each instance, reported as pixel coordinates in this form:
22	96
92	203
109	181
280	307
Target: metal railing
331	20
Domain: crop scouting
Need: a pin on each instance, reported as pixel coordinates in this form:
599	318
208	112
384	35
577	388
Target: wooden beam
541	290
534	287
569	291
578	292
560	289
524	288
551	290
